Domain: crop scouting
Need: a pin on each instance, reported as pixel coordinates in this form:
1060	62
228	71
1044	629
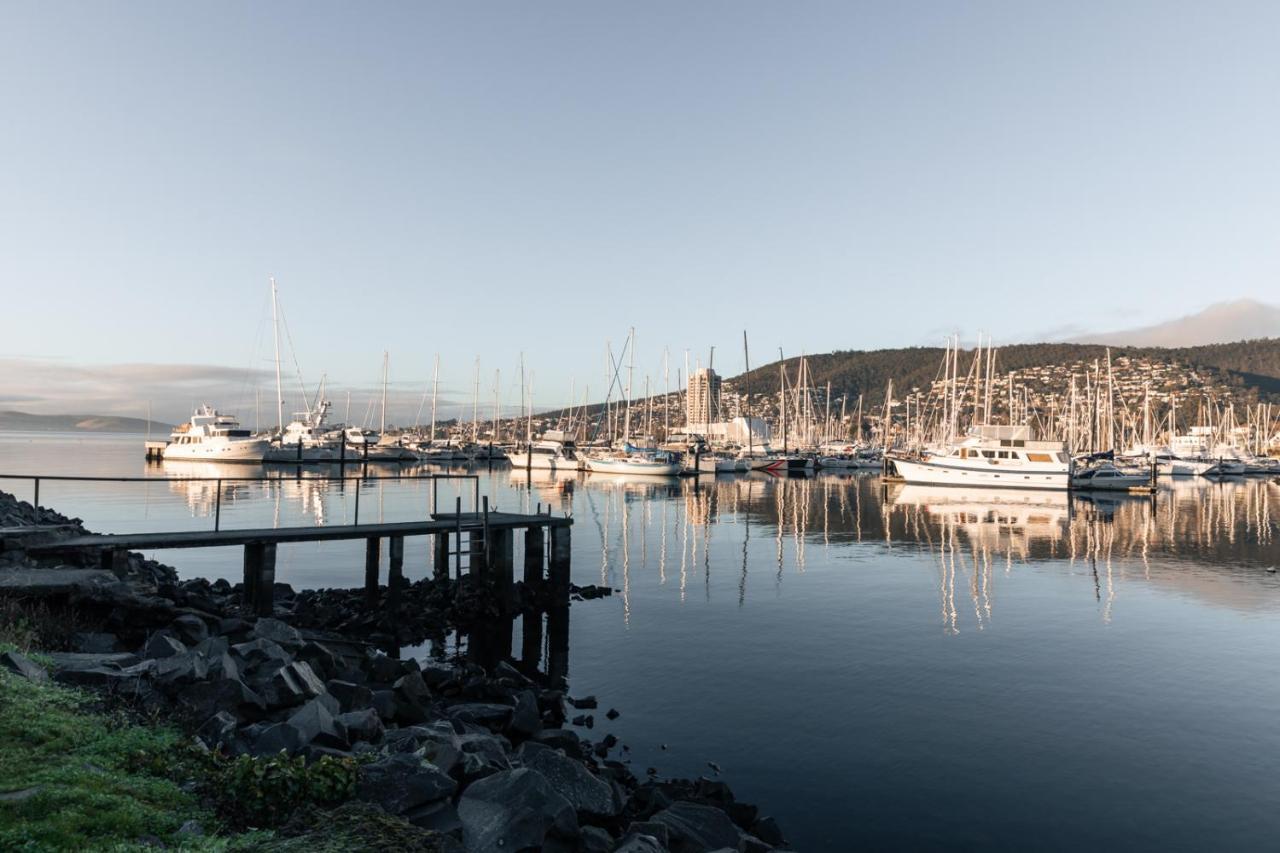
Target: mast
275	324
475	407
435	387
666	393
497	407
386	361
746	400
631	373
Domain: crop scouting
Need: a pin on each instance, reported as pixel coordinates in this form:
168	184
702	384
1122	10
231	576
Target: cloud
49	387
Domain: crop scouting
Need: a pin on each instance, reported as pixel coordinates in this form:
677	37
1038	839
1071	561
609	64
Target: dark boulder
317	723
181	669
218	731
293	684
277	632
657	831
88	641
526	720
402	782
363	725
513	810
693	828
384	702
413	699
637	842
768	831
350	696
163	645
21	665
205	698
588	794
490	715
322	659
190	629
586	703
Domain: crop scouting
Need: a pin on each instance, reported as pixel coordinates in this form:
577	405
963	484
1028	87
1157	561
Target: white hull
633	466
542	462
215	450
290	453
929	472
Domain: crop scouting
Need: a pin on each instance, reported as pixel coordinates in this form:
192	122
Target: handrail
280	477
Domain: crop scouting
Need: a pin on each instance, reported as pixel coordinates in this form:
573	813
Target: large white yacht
555	451
992	455
306	439
214	437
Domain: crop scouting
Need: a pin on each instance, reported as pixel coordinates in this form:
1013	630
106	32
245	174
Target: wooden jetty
484	541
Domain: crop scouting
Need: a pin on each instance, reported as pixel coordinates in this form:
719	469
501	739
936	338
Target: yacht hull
928	472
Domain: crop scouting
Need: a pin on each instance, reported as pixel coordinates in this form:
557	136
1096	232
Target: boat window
1004	454
1039	457
990	454
1062	456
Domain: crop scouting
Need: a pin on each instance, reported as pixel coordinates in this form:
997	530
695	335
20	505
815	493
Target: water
876	667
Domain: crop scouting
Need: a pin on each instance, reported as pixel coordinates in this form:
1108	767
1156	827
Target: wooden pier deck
488	550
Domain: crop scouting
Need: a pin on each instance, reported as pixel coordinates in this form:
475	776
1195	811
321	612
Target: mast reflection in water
878	666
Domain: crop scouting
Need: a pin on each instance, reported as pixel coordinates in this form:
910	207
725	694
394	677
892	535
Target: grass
86	771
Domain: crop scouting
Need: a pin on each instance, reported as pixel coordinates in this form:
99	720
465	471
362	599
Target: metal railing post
35	500
356	520
217	511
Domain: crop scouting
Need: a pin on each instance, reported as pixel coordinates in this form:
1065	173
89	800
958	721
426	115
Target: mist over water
874	666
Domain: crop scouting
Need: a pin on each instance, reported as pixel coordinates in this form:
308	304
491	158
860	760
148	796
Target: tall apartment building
704	397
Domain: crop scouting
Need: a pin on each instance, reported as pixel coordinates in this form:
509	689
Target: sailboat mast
475	406
631	372
435	387
275	324
386	363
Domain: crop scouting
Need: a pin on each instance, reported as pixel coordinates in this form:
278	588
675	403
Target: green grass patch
71	778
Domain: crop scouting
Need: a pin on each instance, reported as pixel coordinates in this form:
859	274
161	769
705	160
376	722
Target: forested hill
1245	364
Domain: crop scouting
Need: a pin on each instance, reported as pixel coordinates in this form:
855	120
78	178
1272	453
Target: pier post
502	562
558	565
531	642
440	560
395	573
252	566
476	563
265	586
534	553
558	644
107	559
372	552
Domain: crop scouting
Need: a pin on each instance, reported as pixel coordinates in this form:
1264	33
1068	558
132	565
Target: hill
1248	365
1225	322
15	421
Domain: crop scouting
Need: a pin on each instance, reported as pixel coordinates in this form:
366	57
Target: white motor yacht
991	455
211	436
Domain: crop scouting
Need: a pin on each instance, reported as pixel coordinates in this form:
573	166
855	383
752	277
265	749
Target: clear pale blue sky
487	178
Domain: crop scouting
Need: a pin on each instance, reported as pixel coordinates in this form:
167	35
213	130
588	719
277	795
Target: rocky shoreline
481	755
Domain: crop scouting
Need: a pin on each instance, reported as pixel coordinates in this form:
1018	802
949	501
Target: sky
491	179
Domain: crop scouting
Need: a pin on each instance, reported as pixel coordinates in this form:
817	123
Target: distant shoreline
12	421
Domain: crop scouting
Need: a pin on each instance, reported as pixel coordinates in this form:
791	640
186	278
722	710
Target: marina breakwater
482	752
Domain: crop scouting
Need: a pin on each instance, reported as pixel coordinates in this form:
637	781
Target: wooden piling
558	565
502	562
252	567
395	572
534	554
372	553
440	559
265	594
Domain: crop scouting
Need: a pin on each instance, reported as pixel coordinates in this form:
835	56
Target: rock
440	816
363	725
513	810
657	831
383	669
163	645
595	840
293	684
506	672
23	666
84	641
612	714
692	827
322	660
482	755
190	829
316	723
751	844
413	698
526	720
402	782
261	653
75	660
350	696
218	731
571	779
278	737
384	702
46	583
635	842
205	698
277	632
439	744
490	715
768	831
586	720
563	739
586	703
186	668
190	629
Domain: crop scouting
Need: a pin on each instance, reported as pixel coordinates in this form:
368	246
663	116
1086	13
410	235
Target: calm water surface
878	667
